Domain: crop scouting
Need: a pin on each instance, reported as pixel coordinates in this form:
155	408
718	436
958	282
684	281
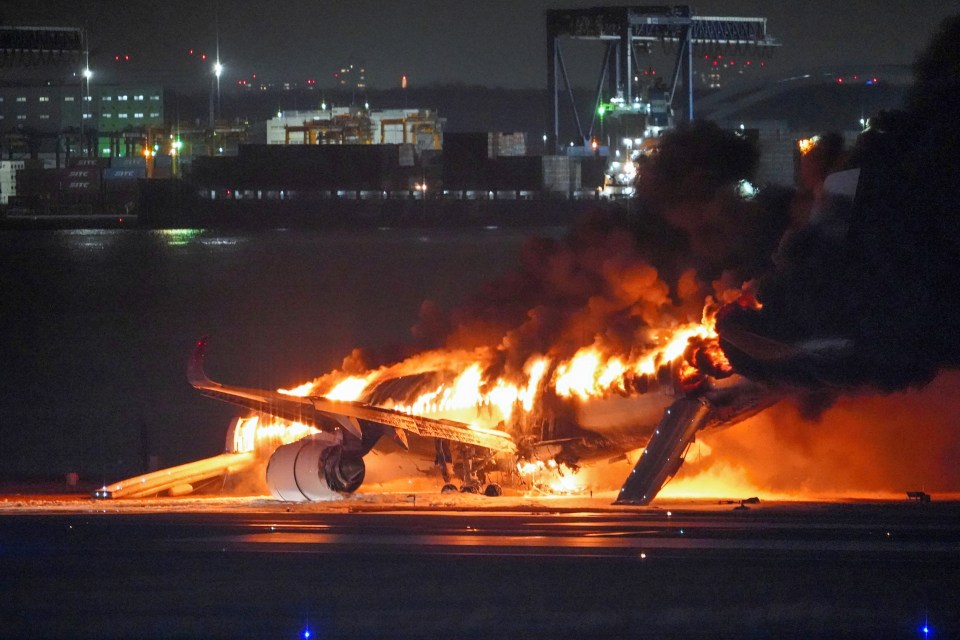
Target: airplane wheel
468	488
493	491
448	488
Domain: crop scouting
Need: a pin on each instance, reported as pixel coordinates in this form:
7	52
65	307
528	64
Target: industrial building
422	128
70	120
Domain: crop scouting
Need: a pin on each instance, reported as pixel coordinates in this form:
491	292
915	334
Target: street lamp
217	71
84	100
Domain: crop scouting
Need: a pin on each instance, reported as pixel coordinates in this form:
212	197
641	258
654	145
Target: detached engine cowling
313	468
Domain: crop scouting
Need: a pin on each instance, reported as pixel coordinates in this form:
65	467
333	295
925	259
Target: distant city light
87	73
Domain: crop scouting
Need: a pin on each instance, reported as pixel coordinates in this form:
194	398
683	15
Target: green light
600	110
178	237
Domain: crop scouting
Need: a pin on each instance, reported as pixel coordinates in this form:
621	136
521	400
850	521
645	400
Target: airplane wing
347	414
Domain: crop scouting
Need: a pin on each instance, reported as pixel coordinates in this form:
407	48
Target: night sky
492	43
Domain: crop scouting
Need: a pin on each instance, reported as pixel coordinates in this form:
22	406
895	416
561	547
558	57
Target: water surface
97	326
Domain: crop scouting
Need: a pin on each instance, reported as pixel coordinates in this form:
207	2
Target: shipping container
130	174
592	172
518	173
84	162
129	162
80	179
561	174
33	181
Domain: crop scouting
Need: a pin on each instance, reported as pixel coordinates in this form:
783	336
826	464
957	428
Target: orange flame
551	477
250	434
477	396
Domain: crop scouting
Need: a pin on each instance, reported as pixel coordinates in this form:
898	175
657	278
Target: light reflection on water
87	239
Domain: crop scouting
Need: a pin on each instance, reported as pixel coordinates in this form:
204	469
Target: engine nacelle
313	468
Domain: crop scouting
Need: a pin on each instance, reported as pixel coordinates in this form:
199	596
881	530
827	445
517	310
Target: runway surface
476	568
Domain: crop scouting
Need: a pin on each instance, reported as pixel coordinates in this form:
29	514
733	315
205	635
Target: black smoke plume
865	293
619	274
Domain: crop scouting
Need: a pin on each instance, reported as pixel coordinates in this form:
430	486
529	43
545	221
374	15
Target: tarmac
419	565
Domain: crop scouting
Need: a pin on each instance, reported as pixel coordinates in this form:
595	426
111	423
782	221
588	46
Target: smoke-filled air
839	294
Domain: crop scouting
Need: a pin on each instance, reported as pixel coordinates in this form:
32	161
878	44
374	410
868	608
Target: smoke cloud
864	445
857	294
617	276
865	289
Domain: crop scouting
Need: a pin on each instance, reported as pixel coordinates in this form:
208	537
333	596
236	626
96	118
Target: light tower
85	100
217	72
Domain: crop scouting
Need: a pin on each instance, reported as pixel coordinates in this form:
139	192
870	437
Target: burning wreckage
483	419
587	353
478	432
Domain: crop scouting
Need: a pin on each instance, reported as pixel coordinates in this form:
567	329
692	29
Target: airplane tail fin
195	373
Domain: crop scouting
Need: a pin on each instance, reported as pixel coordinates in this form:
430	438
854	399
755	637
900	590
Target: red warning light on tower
403	81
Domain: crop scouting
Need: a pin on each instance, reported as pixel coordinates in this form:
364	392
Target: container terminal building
77	149
288	163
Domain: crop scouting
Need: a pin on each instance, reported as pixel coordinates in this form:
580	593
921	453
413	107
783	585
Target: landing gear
469	466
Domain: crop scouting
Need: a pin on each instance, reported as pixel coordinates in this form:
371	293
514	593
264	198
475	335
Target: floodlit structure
422	128
626	32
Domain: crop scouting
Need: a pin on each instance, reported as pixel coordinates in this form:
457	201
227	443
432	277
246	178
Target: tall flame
478	396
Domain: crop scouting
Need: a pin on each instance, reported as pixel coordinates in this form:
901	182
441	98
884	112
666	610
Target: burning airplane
599	344
479	430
